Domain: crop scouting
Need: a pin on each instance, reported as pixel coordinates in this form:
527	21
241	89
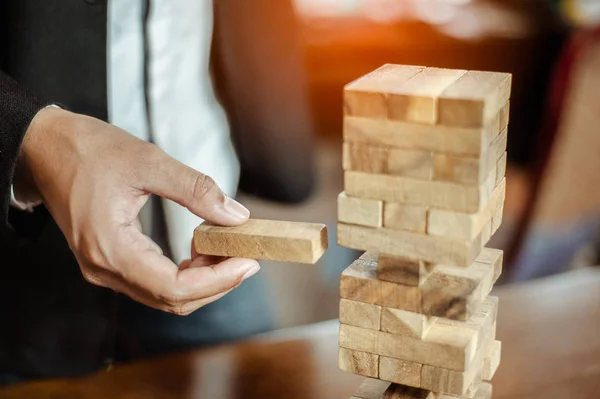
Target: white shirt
186	119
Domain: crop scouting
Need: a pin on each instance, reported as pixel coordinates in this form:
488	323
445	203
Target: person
115	120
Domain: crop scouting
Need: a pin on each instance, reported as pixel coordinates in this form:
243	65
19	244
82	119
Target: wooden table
551	349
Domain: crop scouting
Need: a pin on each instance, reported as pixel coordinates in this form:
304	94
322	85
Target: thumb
198	192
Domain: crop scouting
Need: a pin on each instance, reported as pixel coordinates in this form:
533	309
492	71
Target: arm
258	60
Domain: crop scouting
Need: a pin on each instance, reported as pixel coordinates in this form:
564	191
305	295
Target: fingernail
252	271
236	209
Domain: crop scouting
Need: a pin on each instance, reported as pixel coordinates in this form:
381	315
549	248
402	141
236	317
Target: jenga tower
424	161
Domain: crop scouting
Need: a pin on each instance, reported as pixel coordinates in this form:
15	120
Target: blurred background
552	48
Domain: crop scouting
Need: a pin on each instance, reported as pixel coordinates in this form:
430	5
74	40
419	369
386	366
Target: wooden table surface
551	349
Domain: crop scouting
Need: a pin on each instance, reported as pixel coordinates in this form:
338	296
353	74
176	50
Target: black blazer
52	322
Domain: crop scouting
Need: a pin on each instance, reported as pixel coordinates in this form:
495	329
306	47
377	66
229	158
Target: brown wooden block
359	282
439	194
361	211
443	139
416	99
501	169
410	163
360	314
409	245
361	363
402	322
462	224
397	391
264	239
492	361
403	271
399	216
367	95
371	389
365	158
474	99
400	371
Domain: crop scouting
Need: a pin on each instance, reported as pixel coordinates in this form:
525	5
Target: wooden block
444	195
361	363
462	224
409	245
474	99
403	271
442	139
492	361
365	158
497	218
504	116
410	163
264	239
493	257
501	169
364	212
449	296
399	216
463	170
367	95
360	314
358	339
397	391
371	389
498	145
416	99
359	282
400	371
402	322
486	232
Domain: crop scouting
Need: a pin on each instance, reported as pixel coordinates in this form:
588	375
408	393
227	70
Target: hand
94	178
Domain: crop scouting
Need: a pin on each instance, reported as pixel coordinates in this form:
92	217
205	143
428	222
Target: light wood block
361	211
360	314
450	140
492	361
416	99
402	322
367	95
410	163
462	170
365	158
465	225
359	283
474	99
497	218
399	216
371	389
444	195
409	245
504	116
264	239
403	271
359	339
498	146
501	169
400	371
361	363
493	257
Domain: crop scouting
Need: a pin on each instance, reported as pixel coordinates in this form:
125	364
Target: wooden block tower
424	162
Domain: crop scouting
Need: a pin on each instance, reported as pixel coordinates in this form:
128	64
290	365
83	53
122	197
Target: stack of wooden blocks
424	161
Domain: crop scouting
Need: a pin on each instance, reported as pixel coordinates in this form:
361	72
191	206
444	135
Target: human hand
94	178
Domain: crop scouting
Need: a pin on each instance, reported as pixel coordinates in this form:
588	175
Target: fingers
199	193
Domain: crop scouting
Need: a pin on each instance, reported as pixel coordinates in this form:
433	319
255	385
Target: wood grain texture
492	361
400	371
359	282
367	95
399	216
474	99
360	314
501	168
444	195
371	389
361	211
504	116
416	99
465	225
402	322
361	363
405	244
364	158
403	271
264	239
410	163
442	139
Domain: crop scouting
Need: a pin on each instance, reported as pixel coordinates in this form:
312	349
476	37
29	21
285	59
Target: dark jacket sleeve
260	76
17	109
